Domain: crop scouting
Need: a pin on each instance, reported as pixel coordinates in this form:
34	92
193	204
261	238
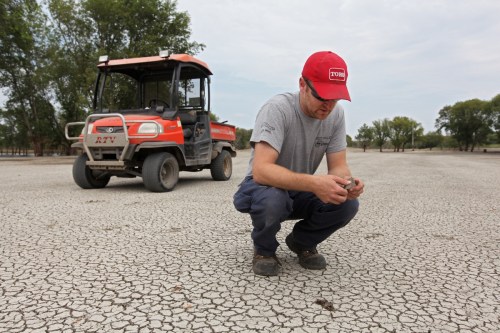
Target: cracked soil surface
422	255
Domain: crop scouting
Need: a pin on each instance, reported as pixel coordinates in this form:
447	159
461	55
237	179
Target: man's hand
328	188
357	190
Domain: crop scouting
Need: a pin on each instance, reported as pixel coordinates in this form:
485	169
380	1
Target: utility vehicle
151	119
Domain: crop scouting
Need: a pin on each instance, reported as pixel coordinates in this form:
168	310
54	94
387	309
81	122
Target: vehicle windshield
121	92
132	90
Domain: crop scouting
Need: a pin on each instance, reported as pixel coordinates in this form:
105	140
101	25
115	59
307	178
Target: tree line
466	125
48	55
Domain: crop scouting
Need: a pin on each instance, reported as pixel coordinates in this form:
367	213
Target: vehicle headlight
89	129
149	128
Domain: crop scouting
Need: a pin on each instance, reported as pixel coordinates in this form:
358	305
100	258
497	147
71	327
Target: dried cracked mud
421	256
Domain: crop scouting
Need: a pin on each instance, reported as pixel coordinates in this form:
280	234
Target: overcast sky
405	58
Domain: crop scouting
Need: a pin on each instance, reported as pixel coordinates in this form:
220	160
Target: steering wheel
155	101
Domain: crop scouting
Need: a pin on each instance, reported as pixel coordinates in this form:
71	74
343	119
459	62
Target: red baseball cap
328	73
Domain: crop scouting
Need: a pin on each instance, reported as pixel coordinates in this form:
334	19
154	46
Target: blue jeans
269	206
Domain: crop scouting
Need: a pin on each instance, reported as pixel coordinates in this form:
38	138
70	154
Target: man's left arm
337	165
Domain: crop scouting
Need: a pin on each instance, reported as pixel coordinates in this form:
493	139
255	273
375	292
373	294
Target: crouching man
292	134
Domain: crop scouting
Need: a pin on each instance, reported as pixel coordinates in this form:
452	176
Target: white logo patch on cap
337	74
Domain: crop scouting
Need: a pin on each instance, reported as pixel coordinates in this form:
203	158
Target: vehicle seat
188	121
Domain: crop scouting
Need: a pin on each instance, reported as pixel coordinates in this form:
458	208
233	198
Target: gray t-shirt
300	140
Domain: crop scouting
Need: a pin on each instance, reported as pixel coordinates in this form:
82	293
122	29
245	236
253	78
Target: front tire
160	172
222	166
87	178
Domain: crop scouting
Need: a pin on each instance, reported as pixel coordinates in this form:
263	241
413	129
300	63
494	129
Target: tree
449	142
9	135
495	115
413	132
82	31
72	67
381	132
431	140
469	122
23	68
243	138
214	117
132	28
365	136
48	57
398	126
404	130
349	140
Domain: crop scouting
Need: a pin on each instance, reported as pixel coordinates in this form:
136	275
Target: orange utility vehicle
151	119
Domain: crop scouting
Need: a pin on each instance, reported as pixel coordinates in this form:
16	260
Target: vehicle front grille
110	129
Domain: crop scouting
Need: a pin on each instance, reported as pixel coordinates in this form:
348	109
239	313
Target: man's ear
302	84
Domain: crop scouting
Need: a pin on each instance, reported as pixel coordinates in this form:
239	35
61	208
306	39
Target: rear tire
160	172
87	178
222	166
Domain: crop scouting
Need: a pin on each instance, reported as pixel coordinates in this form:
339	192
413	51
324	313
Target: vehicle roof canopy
136	66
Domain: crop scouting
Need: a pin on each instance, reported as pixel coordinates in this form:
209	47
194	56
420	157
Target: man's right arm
267	172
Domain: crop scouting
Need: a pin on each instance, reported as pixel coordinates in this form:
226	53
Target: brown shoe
308	258
265	265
